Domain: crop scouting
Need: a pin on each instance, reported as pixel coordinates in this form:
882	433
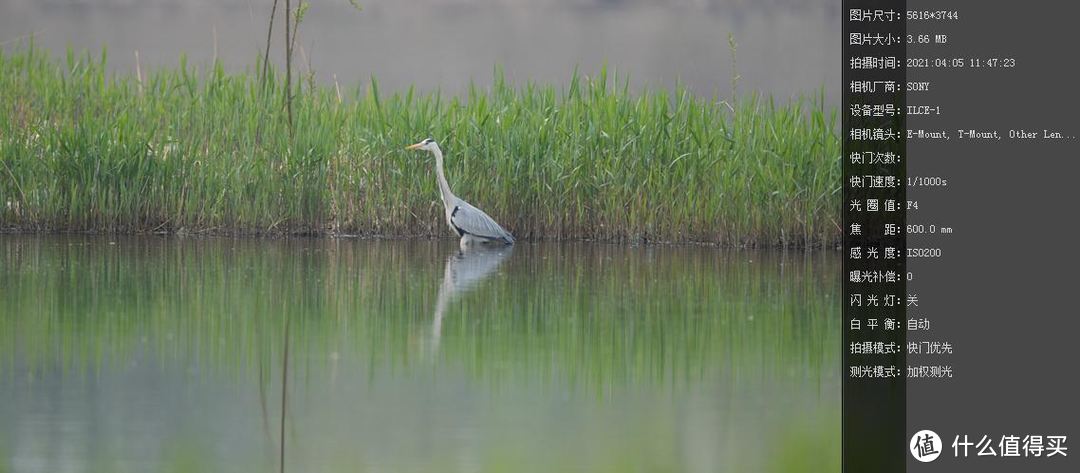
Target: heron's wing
474	221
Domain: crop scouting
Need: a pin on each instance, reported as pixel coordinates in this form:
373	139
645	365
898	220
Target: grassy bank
190	150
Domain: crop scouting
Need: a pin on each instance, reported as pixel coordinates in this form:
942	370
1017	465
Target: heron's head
426	145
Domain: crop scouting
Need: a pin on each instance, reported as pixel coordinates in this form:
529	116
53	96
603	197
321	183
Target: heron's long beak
415	146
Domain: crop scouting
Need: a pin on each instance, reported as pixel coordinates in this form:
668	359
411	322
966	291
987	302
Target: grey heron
468	222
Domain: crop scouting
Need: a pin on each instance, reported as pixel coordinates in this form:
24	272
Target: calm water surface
165	354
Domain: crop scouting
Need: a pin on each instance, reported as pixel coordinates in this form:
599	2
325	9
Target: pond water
148	354
785	47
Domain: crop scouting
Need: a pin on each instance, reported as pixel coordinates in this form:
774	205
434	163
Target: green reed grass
192	149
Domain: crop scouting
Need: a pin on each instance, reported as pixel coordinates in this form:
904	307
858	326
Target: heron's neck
444	187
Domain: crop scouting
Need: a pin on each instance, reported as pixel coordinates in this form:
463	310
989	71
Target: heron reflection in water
464	271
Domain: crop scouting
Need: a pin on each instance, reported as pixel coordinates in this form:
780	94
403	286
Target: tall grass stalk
203	150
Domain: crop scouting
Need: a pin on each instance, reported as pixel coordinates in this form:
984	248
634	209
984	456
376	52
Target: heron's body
471	224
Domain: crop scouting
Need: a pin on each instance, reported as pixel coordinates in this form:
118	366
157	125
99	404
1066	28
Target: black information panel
875	205
993	122
961	151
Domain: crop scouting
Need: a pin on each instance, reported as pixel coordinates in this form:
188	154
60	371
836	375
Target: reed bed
202	150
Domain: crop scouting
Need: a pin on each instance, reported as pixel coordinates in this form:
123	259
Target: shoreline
327	235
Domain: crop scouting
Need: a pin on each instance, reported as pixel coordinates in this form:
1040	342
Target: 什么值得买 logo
925	445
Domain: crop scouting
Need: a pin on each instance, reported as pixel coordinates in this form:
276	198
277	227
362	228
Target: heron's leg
467	241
